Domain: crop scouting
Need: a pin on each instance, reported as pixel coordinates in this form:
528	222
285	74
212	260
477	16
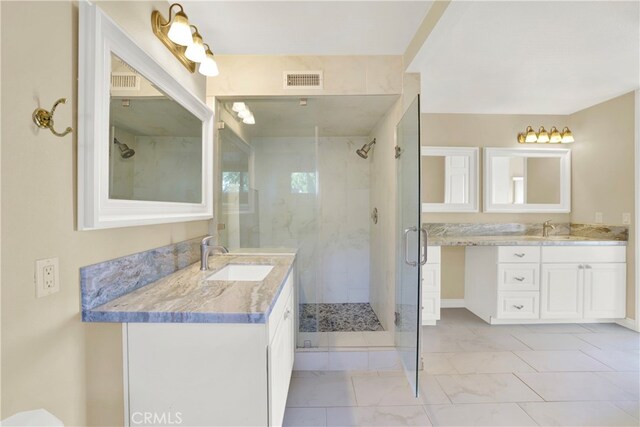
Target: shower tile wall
331	229
288	219
345	219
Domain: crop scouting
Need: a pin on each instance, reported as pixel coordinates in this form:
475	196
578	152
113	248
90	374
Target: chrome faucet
205	249
546	226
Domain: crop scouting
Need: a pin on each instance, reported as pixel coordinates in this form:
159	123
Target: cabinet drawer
584	254
280	309
519	254
519	277
518	305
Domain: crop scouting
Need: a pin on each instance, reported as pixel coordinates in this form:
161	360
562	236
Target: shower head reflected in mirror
364	151
125	151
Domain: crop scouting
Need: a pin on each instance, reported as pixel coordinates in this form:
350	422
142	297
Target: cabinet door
605	287
431	278
561	291
281	353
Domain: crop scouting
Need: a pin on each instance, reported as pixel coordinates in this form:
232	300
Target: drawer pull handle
518	307
519	255
287	313
519	279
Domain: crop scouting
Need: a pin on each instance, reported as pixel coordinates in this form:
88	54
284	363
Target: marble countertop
505	240
186	296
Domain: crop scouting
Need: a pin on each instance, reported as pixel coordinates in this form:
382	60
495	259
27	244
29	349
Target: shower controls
374	215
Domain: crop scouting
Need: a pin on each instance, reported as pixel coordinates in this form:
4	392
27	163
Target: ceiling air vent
303	80
125	81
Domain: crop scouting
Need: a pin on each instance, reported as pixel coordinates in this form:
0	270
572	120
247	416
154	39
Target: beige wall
257	75
50	359
478	130
603	170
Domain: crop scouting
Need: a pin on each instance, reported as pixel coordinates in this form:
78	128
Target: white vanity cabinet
431	287
213	374
583	282
518	284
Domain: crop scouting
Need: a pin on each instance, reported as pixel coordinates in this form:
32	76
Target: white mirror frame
564	154
99	36
473	178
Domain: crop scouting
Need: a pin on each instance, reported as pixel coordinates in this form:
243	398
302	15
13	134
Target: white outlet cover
598	218
47	281
626	218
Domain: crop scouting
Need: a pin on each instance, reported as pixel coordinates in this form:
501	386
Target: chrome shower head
125	151
364	151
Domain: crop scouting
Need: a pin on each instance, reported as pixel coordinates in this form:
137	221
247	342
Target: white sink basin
242	273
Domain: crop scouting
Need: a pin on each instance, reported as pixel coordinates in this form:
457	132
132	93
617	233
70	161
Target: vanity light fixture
554	136
543	137
567	136
243	112
187	46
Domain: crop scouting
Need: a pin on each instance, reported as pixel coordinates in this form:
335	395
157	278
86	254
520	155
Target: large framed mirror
527	180
145	143
449	181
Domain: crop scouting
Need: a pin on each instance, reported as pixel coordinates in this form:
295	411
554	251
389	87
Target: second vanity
211	347
533	279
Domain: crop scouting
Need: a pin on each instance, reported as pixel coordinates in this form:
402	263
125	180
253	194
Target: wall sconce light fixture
175	33
529	136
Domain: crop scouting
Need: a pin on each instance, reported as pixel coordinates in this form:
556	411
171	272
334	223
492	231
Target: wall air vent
303	80
125	81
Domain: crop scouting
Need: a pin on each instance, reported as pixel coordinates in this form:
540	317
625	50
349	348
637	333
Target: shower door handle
423	247
406	246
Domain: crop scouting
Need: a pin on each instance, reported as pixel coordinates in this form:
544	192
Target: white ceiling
522	57
333	115
307	27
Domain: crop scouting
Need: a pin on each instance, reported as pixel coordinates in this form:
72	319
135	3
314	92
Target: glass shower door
410	239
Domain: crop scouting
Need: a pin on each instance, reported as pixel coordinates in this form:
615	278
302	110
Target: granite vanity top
186	296
562	240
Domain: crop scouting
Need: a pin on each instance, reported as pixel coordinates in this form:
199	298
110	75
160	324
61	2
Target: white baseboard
452	303
628	323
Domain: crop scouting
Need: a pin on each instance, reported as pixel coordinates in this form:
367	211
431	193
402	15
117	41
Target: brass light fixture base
160	27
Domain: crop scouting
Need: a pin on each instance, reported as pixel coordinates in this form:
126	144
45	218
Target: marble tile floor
481	375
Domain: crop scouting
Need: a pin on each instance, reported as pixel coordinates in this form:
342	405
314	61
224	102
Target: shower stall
299	179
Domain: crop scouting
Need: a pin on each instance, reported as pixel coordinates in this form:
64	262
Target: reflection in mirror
449	182
527	180
155	149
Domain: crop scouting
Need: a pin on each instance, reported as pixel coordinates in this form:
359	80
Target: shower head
125	151
364	151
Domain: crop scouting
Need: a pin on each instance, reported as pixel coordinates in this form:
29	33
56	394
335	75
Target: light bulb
239	106
530	135
249	120
543	135
555	136
567	136
208	66
180	32
195	52
244	114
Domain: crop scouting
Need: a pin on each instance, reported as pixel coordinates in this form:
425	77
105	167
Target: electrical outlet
598	217
47	280
626	218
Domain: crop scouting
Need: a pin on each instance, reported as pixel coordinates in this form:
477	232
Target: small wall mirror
144	141
527	180
449	179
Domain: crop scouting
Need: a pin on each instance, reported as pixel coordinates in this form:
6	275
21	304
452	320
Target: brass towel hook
44	118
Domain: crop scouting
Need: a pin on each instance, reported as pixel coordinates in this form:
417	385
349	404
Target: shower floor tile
347	317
